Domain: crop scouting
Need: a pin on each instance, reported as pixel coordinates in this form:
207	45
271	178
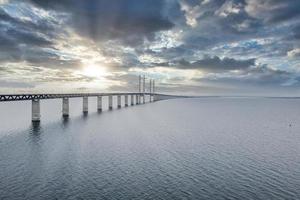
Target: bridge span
135	99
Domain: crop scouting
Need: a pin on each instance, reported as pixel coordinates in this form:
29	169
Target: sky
197	47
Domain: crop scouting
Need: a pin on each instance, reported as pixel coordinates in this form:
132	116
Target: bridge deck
23	97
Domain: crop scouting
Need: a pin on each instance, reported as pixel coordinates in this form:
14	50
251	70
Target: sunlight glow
94	71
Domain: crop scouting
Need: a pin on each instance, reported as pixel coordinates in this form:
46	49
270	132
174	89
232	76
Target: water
210	148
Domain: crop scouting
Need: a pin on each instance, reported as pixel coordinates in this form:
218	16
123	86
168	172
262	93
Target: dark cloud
265	75
273	11
296	32
30	40
218	23
15	32
46	58
256	76
128	20
233	18
40	25
215	64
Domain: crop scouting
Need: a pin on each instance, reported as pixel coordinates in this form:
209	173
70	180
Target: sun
94	71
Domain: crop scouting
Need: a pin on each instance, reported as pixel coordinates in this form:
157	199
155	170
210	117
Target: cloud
229	8
127	20
294	53
224	43
273	11
192	13
296	32
265	75
31	38
13	84
215	64
15	34
255	77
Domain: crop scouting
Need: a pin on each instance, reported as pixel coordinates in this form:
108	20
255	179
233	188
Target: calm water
210	148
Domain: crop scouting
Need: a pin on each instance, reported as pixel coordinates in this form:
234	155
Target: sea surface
202	148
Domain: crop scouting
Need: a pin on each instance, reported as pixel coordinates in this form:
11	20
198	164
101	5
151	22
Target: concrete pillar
119	101
65	107
99	103
85	105
137	99
132	99
110	102
126	100
35	108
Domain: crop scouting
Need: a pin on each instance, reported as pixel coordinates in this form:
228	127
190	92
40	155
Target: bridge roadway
22	97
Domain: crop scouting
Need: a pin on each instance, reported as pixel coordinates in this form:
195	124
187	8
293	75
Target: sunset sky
201	47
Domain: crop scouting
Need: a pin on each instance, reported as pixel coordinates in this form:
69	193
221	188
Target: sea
244	148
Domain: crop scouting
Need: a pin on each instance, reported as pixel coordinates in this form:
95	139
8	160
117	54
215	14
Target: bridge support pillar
99	103
35	115
144	99
126	100
85	105
155	98
65	107
132	100
137	99
110	102
119	101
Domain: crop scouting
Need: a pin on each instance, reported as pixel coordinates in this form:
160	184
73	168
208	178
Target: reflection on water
65	121
209	148
35	128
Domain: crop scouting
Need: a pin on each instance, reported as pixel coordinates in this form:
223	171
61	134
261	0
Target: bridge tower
150	90
140	90
144	88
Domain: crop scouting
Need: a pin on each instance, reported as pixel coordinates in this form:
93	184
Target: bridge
136	98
